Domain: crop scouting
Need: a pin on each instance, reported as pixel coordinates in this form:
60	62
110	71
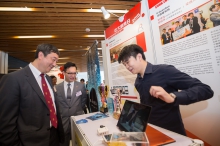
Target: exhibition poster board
166	33
195	50
133	30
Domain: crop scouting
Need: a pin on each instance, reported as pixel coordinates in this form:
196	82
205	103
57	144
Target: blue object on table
81	121
110	104
97	116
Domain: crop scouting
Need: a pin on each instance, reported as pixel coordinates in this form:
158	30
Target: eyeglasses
71	73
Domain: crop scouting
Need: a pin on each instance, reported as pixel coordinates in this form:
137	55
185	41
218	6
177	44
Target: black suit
24	115
204	21
184	23
165	38
171	36
194	25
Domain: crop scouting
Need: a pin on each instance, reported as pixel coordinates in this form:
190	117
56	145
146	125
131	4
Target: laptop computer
134	117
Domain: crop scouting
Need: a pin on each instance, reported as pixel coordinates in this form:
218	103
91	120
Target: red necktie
48	98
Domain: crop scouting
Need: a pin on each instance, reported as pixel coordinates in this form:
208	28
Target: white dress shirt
66	86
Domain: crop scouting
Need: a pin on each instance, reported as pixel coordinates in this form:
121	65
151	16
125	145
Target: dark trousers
54	139
67	140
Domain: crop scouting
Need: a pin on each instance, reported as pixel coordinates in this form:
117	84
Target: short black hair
46	49
190	14
68	65
130	50
82	80
52	76
212	7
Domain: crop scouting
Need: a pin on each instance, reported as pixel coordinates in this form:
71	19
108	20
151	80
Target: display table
86	133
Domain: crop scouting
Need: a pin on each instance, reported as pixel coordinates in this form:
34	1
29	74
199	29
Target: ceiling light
107	15
15	9
112	11
28	37
87	29
64	58
118	11
94	35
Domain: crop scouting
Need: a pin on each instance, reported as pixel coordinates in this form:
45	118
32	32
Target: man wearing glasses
71	96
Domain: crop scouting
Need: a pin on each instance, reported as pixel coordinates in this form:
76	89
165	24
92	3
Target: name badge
78	93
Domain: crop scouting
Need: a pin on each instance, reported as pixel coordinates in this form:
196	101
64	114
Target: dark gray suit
71	108
24	115
195	25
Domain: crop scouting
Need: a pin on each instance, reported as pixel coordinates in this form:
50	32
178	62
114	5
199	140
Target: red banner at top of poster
129	18
156	3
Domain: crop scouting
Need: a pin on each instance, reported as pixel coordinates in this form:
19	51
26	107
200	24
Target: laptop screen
134	117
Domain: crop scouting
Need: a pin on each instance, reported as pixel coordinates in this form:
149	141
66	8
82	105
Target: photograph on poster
124	91
138	39
114	52
197	20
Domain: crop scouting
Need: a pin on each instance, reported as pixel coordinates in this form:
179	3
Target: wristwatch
173	95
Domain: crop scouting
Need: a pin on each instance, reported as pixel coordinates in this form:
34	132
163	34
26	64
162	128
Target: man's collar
148	69
34	69
65	82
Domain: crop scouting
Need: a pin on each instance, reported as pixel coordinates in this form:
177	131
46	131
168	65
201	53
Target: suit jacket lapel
75	90
33	83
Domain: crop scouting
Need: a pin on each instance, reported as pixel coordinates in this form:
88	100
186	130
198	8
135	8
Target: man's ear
40	55
139	56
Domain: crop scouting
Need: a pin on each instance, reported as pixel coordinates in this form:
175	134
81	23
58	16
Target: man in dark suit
170	32
25	107
193	23
71	97
184	22
165	37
